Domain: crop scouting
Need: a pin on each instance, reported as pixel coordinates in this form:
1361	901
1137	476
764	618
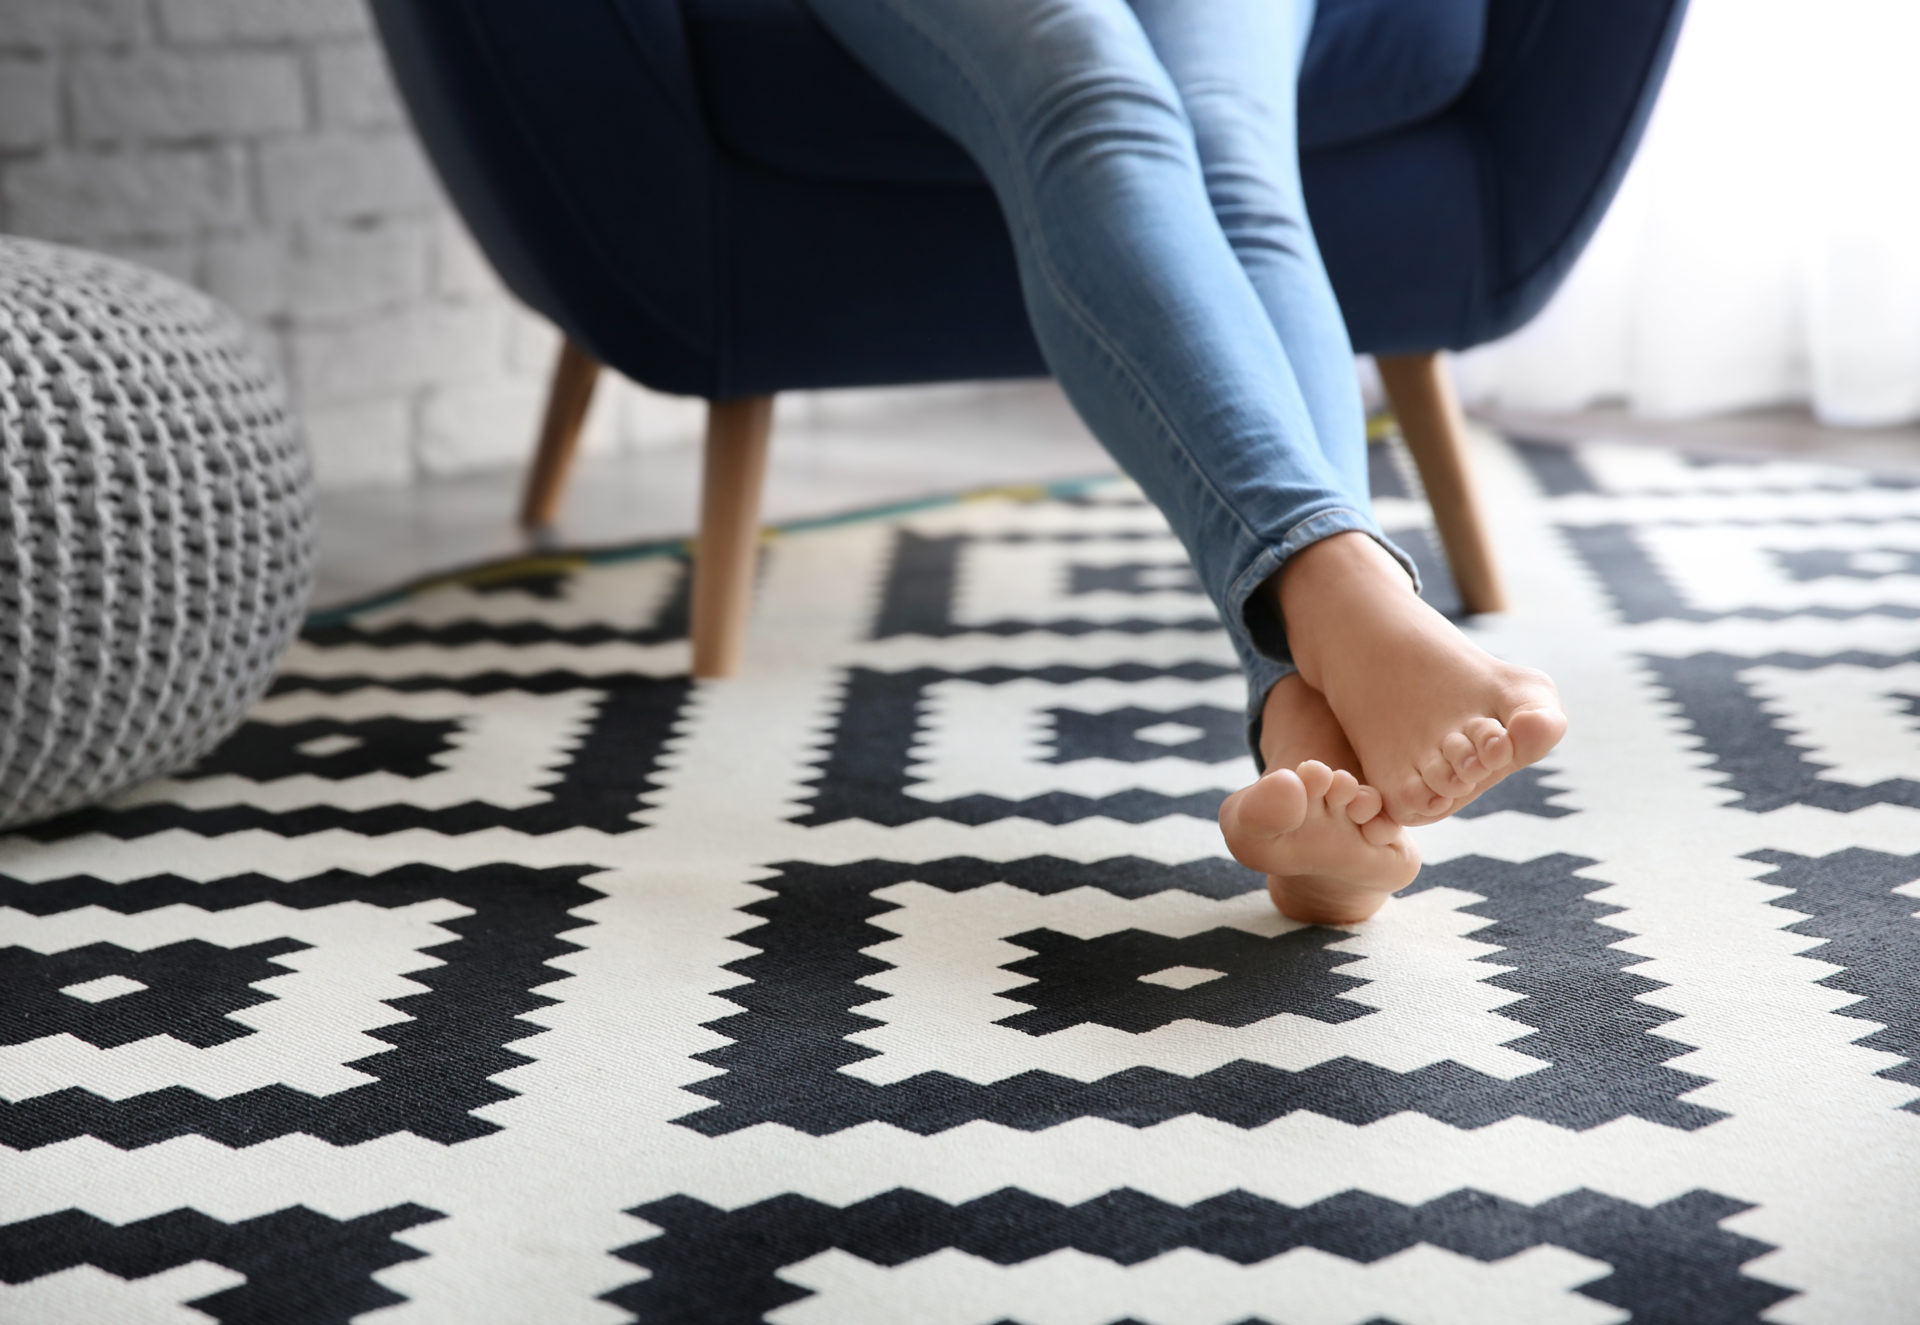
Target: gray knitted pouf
156	527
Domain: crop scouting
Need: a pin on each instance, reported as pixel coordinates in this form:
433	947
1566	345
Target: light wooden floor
844	455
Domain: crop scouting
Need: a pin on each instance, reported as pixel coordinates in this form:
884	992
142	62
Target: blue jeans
1145	155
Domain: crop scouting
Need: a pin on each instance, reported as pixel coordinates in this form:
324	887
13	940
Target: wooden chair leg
574	373
724	556
1436	433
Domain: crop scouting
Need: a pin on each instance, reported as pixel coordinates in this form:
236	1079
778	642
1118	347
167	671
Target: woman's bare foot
1330	855
1435	719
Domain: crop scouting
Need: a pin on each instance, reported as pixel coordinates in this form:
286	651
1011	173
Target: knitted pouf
156	526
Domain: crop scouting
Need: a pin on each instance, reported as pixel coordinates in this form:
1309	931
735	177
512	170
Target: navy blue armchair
713	198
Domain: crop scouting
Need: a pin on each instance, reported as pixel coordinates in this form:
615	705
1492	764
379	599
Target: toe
1364	806
1381	831
1438	774
1489	742
1316	776
1276	804
1462	758
1416	803
1534	730
1344	787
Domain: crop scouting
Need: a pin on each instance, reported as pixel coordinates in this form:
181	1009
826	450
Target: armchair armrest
590	184
1563	94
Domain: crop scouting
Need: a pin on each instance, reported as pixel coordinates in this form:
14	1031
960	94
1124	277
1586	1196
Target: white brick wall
163	97
29	114
256	148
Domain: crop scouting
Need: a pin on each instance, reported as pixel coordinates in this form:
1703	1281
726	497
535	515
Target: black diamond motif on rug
1133	735
452	1041
1247	978
803	995
188	990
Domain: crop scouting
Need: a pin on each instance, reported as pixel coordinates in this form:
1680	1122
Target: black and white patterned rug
495	973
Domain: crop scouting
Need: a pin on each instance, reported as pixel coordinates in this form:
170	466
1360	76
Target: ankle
1326	581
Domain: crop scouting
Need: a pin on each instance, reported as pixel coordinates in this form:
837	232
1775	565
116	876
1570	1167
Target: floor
832	455
846	453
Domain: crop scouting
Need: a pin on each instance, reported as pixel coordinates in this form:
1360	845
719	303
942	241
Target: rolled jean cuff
1265	667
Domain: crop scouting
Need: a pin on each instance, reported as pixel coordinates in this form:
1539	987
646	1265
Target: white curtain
1765	245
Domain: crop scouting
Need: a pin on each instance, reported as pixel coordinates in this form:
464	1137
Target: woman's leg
1144	311
1154	327
1440	721
1429	747
1236	73
1157	334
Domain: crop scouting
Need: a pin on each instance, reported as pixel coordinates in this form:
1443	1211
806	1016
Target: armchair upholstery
711	197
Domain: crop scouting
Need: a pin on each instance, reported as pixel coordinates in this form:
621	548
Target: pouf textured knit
156	526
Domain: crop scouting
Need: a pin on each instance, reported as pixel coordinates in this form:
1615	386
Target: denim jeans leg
1144	310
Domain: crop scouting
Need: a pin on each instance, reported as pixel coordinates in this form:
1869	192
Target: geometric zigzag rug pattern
495	972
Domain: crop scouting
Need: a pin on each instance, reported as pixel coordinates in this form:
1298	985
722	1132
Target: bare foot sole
1433	717
1330	855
